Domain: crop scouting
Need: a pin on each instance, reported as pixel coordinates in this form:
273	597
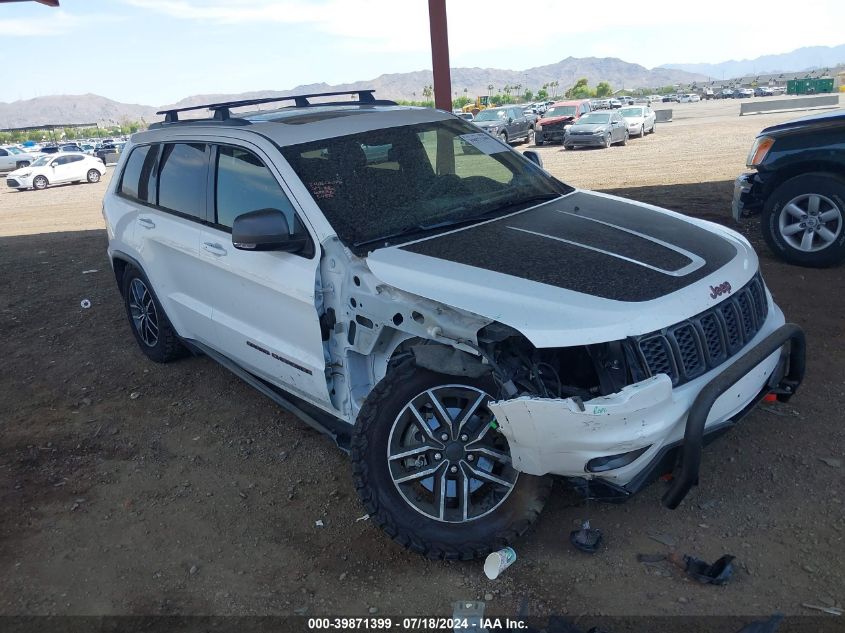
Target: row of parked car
18	156
576	123
39	166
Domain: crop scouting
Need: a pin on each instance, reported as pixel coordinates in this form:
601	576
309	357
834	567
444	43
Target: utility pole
440	54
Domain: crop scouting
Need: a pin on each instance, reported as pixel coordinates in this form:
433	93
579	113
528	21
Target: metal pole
440	54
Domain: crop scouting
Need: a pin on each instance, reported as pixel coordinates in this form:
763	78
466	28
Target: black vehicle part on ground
717	573
697	417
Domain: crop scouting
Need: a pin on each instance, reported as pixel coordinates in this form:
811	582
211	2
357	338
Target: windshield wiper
410	230
456	222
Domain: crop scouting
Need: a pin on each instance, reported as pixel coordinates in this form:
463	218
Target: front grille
690	348
12	182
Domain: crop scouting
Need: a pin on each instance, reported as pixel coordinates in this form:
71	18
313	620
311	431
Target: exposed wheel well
801	169
119	266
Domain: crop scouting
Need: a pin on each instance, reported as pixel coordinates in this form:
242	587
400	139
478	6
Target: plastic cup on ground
497	562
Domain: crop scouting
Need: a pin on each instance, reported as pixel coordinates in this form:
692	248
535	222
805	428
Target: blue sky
157	51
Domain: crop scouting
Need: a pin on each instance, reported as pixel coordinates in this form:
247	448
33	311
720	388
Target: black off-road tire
825	184
386	507
168	347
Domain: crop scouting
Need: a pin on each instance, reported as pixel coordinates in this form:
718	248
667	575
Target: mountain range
401	86
409	86
807	58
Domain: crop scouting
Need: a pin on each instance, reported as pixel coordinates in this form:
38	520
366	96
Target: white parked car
54	169
464	324
640	120
12	157
690	98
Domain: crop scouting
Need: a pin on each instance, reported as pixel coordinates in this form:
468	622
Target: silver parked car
640	119
597	129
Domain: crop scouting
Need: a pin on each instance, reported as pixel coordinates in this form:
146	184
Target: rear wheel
21	164
40	182
803	220
93	176
434	473
150	325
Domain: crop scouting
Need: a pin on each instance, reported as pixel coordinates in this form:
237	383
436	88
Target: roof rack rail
221	110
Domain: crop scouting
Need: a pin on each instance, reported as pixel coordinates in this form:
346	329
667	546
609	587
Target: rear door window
183	178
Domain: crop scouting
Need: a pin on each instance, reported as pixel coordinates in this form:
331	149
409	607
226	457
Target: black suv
509	123
799	188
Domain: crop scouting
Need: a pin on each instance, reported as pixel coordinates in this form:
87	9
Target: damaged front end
623	440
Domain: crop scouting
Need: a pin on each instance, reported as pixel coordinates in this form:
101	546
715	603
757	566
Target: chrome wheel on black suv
804	220
433	470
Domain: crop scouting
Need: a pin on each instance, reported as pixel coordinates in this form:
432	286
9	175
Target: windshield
491	115
594	118
631	112
407	180
40	162
13	150
561	111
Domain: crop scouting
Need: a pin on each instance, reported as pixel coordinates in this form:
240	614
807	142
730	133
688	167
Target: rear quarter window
140	178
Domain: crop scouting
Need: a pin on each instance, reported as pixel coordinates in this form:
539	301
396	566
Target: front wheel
624	140
530	138
93	176
642	131
503	136
608	141
40	182
803	220
433	471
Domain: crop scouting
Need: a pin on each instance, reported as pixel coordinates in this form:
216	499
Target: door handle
146	223
214	248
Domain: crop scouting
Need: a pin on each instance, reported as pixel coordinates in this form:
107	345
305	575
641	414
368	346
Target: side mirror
510	119
266	230
534	157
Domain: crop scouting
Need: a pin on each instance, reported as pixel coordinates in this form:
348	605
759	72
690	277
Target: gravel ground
133	488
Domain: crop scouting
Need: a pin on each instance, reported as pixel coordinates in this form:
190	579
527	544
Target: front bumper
554	135
744	203
646	420
17	182
587	140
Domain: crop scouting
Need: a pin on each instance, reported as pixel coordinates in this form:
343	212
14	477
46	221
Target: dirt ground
128	487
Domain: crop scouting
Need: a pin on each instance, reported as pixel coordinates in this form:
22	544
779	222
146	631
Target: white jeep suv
460	321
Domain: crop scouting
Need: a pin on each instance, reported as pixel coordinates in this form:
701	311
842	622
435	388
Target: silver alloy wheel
93	176
810	222
39	182
143	310
445	460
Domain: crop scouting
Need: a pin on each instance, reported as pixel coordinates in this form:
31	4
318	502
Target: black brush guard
785	382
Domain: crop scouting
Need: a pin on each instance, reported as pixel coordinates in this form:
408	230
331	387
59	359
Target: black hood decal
605	247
